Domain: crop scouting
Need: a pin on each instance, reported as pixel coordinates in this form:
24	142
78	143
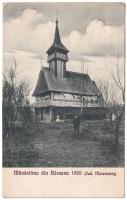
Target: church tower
57	55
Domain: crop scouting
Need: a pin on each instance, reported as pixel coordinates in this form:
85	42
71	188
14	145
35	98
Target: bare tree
15	97
112	103
104	88
118	81
121	86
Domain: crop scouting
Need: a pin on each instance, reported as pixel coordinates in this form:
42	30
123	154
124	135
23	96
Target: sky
94	31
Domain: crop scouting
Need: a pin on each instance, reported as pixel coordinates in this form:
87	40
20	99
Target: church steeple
57	44
57	39
57	55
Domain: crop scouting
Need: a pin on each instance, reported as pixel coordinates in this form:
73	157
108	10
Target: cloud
98	40
28	32
33	33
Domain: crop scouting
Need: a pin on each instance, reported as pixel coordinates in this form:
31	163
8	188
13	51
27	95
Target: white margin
1	63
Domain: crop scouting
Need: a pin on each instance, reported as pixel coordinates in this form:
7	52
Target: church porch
50	114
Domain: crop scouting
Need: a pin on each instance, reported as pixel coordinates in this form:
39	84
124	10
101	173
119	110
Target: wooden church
60	94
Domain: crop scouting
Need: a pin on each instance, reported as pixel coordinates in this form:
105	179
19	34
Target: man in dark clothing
76	124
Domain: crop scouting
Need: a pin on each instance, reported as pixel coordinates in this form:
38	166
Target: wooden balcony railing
64	103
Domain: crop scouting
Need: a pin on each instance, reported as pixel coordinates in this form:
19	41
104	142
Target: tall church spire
57	39
57	55
57	44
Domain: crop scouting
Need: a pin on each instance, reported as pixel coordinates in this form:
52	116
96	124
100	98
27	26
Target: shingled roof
57	44
73	82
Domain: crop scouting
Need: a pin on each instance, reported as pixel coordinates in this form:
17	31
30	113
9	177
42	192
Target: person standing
76	125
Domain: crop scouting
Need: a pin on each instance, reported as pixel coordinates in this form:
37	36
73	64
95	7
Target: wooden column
50	113
39	116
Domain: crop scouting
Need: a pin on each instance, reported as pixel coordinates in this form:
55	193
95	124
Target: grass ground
53	145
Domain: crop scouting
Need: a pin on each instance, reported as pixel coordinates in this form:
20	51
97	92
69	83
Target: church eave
57	48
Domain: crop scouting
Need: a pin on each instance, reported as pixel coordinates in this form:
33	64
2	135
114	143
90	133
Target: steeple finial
57	39
57	16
